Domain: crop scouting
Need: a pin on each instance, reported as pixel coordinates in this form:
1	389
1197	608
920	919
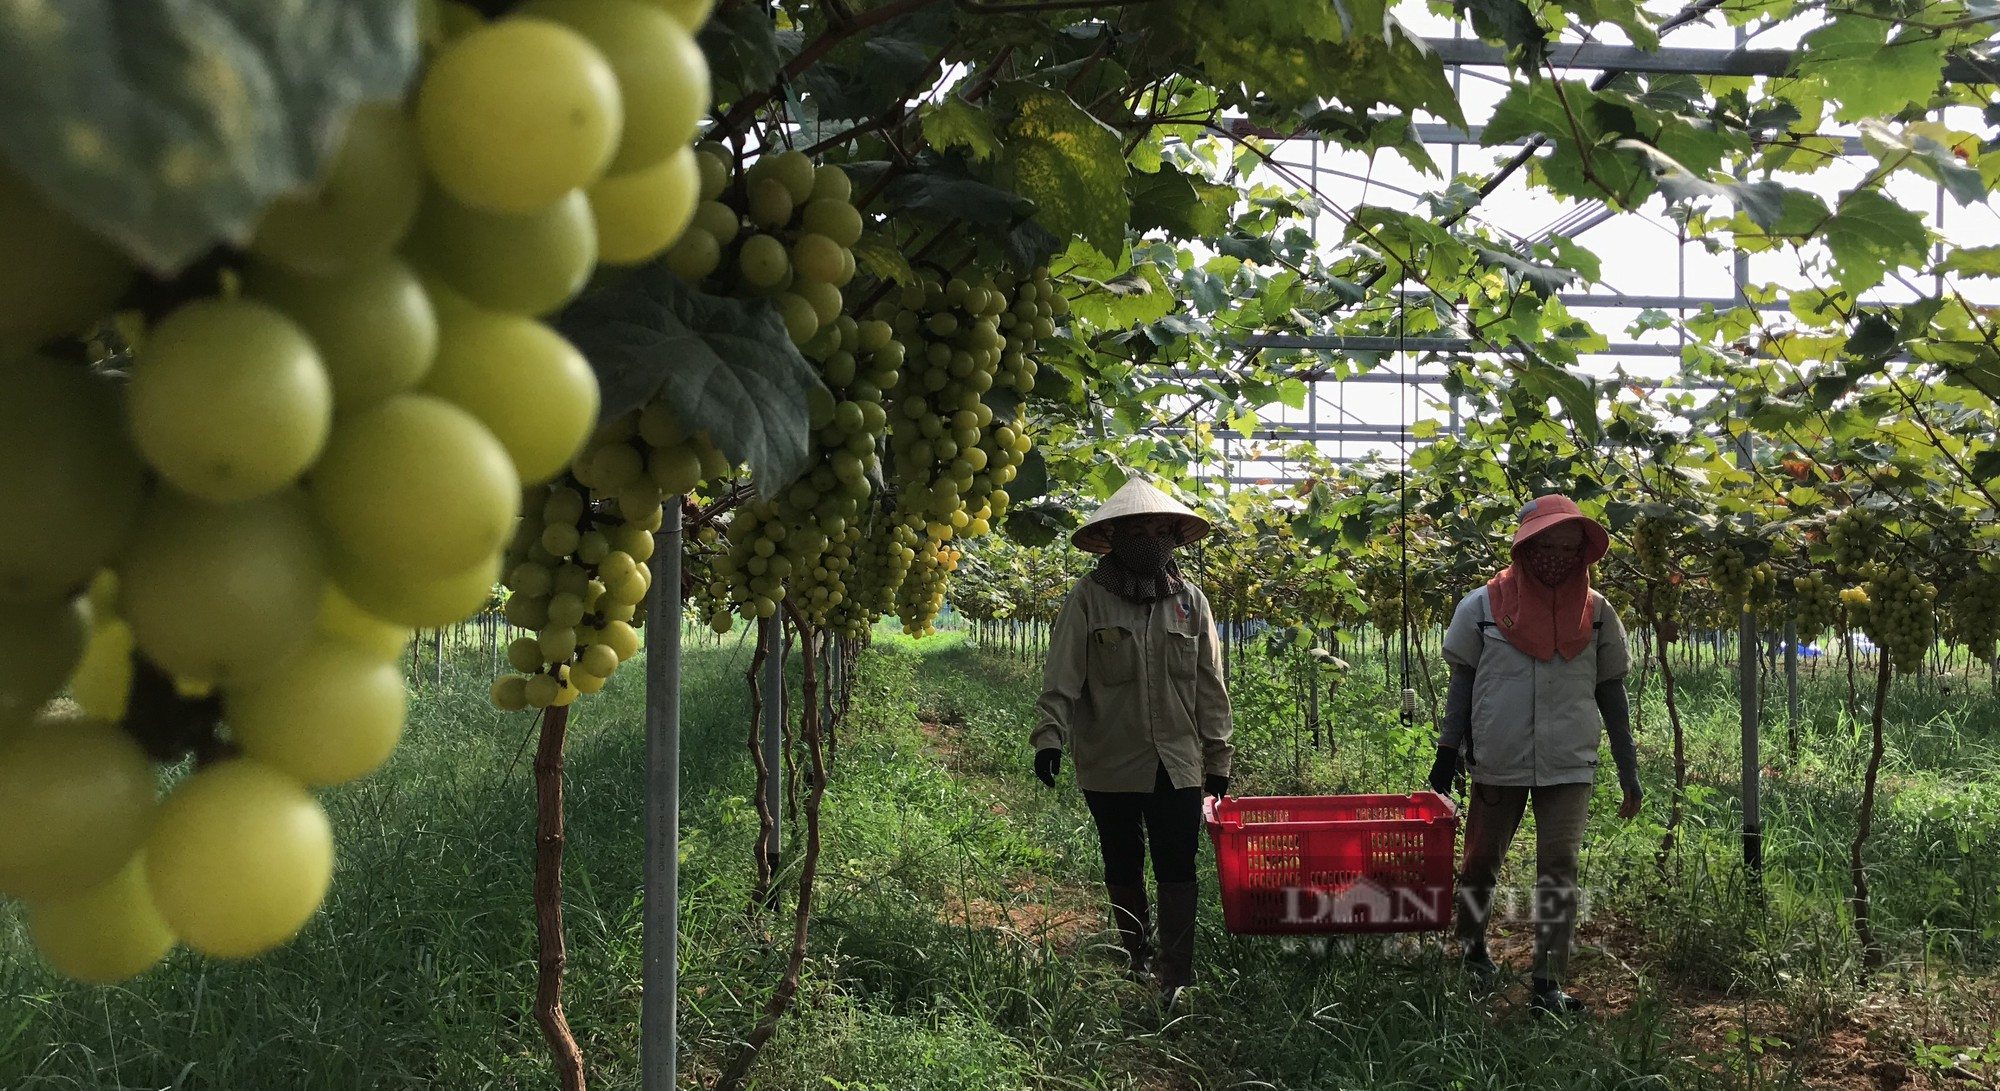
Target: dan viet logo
1367	902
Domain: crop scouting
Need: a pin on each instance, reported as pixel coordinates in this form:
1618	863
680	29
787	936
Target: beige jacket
1130	687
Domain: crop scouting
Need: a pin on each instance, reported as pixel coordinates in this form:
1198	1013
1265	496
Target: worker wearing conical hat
1538	664
1133	690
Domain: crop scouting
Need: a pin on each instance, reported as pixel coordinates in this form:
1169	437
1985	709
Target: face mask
1550	567
1144	554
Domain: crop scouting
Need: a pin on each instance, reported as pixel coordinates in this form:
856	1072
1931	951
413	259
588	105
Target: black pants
1169	816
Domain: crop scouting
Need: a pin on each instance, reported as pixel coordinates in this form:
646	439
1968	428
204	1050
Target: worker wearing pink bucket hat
1538	663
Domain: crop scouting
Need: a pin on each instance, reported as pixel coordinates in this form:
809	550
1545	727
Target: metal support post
659	1033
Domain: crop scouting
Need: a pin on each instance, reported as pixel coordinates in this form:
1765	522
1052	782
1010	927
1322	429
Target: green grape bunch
1899	614
1974	613
221	549
782	230
921	594
1814	605
1855	539
881	564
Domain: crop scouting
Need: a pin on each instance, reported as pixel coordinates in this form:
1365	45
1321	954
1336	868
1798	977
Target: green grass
957	944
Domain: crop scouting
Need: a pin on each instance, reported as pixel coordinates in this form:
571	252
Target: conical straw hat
1136	498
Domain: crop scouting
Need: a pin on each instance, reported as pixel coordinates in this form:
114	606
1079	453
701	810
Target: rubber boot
1174	966
1132	915
1479	962
1547	998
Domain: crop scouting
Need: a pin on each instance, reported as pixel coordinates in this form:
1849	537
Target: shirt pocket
1182	655
1114	655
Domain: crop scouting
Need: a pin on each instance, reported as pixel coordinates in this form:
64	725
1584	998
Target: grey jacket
1533	723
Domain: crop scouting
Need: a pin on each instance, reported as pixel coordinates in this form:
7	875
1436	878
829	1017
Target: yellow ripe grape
333	713
560	539
564	505
107	934
67	465
836	220
565	610
633	541
55	276
557	645
565	695
41	644
831	183
583	681
525	655
616	466
510	693
801	318
240	858
793	168
360	209
222	593
528	385
341	619
621	638
714	163
373	325
662	74
640	213
542	691
102	683
517	113
770	203
76	800
824	298
600	660
763	262
816	258
527	263
421	602
229	400
718	220
695	256
416	486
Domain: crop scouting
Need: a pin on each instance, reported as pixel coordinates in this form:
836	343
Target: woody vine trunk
552	954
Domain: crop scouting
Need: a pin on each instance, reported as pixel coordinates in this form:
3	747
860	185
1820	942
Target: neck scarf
1140	567
1541	620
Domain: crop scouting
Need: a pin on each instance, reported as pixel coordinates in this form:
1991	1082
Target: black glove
1443	769
1048	762
1215	784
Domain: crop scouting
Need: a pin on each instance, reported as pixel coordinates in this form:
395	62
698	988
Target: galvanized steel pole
660	942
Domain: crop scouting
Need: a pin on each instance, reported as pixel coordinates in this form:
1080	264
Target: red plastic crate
1314	865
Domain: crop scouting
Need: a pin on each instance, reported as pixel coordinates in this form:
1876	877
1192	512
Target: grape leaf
1540	280
745	51
1031	478
1866	71
1038	524
1972	261
1182	205
167	125
1511	22
953	197
1924	154
1070	164
726	366
868	75
956	123
1868	235
1763	201
880	257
